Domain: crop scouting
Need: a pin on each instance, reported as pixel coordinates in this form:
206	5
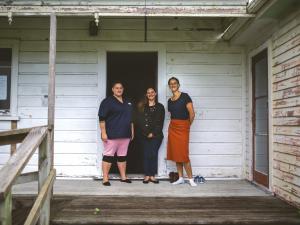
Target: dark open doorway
137	71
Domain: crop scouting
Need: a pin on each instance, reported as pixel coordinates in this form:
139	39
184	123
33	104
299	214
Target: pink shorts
119	146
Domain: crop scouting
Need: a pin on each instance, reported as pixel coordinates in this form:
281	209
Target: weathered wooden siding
286	111
211	72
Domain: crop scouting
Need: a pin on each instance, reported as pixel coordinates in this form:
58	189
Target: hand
150	135
104	137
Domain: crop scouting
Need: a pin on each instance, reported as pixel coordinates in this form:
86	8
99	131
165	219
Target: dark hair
173	78
116	82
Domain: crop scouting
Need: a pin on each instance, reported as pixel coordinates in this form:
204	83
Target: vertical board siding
211	72
286	111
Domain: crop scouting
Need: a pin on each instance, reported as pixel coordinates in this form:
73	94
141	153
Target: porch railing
10	173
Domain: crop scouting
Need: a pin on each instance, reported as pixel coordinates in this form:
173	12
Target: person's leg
146	156
108	155
188	170
121	156
180	180
154	159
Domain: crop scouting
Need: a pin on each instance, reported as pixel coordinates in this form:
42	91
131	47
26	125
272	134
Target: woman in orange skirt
181	108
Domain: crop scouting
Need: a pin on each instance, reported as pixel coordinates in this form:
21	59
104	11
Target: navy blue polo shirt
117	117
178	108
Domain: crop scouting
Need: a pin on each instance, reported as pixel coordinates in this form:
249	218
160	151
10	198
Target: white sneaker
192	183
179	181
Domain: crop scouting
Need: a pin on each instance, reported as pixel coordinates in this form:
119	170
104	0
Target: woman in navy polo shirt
115	116
181	108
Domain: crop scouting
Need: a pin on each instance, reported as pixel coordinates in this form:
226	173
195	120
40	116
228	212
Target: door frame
161	88
266	45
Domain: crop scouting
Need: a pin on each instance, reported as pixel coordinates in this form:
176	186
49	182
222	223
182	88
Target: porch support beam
51	86
130	10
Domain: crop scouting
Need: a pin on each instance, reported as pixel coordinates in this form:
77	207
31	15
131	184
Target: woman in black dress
149	121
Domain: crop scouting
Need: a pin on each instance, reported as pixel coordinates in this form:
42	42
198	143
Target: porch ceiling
191	8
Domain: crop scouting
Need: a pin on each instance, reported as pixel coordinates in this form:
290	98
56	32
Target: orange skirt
178	141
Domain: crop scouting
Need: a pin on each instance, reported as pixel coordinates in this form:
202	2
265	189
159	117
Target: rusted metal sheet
197	11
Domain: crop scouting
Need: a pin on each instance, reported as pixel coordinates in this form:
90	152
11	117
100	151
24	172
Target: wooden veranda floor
237	202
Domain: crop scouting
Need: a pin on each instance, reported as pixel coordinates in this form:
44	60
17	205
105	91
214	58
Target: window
5	78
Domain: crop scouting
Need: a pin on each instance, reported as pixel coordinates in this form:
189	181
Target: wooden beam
254	7
44	170
27	177
14	136
6	210
13	146
51	86
18	161
131	10
40	200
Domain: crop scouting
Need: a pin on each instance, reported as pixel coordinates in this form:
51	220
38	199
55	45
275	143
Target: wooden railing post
44	170
6	210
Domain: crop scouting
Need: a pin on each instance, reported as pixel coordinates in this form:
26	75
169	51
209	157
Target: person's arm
102	113
191	111
159	121
103	131
132	131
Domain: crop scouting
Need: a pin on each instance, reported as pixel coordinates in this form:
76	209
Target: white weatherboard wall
212	73
213	77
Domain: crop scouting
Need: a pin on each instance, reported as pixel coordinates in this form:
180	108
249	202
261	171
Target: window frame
13	111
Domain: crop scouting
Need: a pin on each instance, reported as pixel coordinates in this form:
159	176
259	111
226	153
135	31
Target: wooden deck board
164	210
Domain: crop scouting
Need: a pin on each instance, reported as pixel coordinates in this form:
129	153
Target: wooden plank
288	149
286	177
88	80
13	147
61	101
287	130
289	140
287	158
204	58
6	209
13	136
295	62
41	198
17	162
286	56
287	121
290	34
62	57
289	102
116	23
44	170
286	167
287	46
286	112
26	178
131	10
287	93
290	73
288	83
